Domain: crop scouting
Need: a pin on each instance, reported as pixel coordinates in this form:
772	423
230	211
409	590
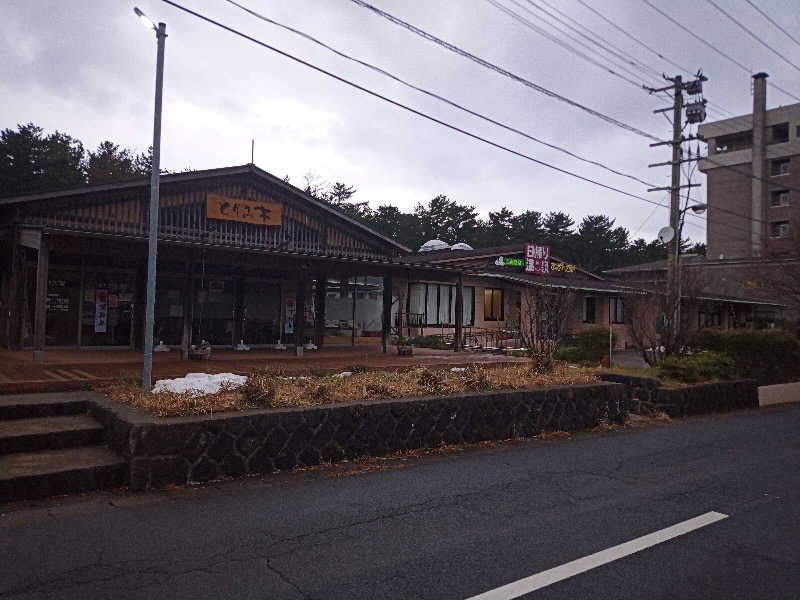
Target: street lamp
152	250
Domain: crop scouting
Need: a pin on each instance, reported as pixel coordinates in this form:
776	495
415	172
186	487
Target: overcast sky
87	68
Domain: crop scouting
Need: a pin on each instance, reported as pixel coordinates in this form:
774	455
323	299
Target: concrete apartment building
753	216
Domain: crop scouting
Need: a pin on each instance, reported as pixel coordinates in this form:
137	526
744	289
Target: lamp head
144	19
698	208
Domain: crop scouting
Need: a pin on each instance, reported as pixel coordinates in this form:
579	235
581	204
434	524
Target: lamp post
152	250
697	209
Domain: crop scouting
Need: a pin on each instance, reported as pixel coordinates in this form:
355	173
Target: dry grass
272	389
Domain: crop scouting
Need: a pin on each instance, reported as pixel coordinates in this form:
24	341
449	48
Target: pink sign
537	259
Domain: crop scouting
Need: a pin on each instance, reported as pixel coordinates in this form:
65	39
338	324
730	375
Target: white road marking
581	565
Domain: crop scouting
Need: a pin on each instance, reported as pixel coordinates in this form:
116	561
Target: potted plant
404	347
201	351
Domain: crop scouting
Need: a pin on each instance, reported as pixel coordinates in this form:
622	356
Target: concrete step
29	406
49	433
30	475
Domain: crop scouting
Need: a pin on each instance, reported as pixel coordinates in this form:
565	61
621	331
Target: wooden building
242	255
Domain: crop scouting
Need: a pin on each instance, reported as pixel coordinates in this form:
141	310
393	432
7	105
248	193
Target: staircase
49	445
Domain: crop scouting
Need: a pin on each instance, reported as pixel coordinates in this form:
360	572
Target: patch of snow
199	384
345	374
458	369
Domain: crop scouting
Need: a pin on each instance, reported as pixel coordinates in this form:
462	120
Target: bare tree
544	320
657	331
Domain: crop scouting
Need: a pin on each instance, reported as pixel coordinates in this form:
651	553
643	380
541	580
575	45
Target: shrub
426	341
476	379
698	367
432	381
260	388
589	345
768	356
570	354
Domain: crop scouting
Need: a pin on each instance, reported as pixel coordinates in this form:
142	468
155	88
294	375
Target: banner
100	311
244	211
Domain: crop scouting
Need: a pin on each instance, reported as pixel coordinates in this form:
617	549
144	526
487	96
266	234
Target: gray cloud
87	68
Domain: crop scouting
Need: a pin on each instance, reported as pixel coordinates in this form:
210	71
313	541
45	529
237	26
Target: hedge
766	355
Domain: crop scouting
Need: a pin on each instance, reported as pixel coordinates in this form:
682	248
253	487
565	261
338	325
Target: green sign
513	262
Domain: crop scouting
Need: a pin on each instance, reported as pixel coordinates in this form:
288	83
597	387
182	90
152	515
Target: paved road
448	526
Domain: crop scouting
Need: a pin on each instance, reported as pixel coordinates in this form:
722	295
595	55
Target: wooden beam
457	346
40	308
320	292
299	316
188	311
386	321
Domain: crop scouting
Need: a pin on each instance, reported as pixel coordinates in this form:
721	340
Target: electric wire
771	20
412	110
431	94
527	23
593	37
712	47
753	35
501	71
401	105
649	49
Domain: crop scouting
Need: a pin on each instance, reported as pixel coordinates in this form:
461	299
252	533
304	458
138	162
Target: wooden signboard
244	211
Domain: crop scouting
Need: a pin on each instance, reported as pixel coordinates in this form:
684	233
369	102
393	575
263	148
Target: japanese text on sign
563	267
244	211
537	259
101	311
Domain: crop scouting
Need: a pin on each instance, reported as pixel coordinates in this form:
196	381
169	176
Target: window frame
783	233
585	315
426	322
779	195
616	308
491	304
776	168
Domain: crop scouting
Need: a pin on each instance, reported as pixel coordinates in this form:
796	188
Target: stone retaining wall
645	395
195	449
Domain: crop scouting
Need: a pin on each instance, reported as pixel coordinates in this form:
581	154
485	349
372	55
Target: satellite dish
666	234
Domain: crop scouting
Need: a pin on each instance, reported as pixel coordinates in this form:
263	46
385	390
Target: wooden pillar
188	311
299	315
13	314
355	294
320	292
238	311
40	308
386	321
457	345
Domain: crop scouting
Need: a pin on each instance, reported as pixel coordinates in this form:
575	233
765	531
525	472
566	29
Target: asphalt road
453	525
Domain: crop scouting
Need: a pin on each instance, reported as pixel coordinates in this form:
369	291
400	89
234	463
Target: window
779	133
779	167
435	303
615	312
589	309
779	198
493	304
711	318
779	229
735	141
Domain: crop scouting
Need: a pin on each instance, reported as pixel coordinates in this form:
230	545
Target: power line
646	47
592	37
753	35
431	94
407	108
519	18
771	20
712	47
502	71
403	106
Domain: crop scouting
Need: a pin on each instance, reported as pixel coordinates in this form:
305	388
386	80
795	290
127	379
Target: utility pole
695	112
